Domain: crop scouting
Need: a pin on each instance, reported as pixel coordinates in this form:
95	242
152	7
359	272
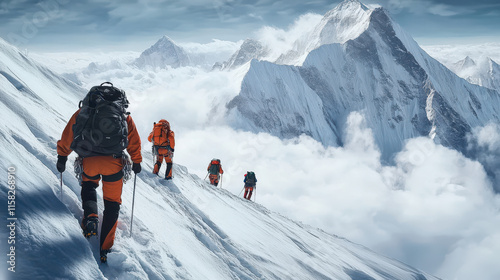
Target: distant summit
164	53
467	62
484	72
250	49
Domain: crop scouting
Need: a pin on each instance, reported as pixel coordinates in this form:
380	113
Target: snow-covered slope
183	229
163	53
372	66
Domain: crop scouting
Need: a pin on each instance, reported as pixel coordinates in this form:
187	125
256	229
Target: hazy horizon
92	25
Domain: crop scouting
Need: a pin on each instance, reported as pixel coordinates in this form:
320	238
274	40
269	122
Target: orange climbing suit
162	136
214	178
109	169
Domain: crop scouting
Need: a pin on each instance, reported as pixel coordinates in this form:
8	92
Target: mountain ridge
404	92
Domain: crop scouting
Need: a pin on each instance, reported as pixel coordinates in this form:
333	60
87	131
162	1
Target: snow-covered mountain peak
483	71
494	67
359	59
164	43
250	49
165	52
467	62
345	22
349	5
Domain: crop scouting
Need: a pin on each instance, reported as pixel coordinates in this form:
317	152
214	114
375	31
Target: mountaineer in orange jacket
214	169
163	139
99	162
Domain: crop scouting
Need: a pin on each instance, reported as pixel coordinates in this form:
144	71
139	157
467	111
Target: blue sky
63	25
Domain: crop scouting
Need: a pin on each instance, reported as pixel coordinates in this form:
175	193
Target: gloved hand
61	163
136	167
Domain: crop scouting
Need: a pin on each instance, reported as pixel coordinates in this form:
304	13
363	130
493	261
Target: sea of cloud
450	54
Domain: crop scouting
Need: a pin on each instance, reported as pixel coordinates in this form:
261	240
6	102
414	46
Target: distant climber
250	183
214	169
163	139
99	132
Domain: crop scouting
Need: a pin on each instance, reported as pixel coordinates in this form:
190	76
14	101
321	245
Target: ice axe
61	193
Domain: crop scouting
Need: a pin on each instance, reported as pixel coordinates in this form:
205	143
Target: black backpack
251	178
101	126
214	167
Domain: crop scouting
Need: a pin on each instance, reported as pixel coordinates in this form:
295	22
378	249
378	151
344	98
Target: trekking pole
241	191
61	193
205	177
133	200
255	197
153	146
221	180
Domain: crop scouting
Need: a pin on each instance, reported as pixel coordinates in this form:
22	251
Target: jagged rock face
382	72
164	53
